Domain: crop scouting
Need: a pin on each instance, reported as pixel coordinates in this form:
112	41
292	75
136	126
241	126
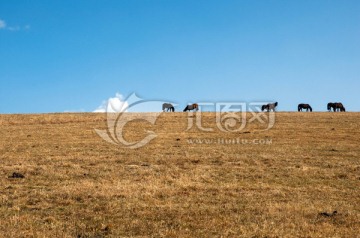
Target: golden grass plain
78	185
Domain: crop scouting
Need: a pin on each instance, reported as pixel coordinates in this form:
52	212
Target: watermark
233	116
117	120
229	141
230	117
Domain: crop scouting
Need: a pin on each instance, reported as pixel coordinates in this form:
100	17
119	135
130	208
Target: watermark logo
230	141
230	117
233	116
117	118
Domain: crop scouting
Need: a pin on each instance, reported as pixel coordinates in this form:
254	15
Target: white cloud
13	28
115	104
2	24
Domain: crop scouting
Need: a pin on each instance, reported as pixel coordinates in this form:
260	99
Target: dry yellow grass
78	185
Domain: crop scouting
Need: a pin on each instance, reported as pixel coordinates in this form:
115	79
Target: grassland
77	185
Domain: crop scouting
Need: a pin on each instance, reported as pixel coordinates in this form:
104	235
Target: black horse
269	107
168	107
191	107
336	106
302	106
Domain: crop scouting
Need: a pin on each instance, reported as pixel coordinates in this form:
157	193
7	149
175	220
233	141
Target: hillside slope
251	183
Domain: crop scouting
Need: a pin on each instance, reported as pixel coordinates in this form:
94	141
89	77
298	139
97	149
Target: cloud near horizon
4	26
114	104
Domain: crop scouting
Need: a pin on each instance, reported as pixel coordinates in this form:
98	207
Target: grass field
78	185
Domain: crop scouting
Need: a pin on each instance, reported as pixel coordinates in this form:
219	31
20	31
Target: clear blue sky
64	55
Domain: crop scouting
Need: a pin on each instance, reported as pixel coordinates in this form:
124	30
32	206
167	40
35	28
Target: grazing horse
191	107
168	106
269	107
336	106
302	106
331	105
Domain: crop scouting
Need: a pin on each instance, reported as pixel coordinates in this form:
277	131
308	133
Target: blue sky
58	56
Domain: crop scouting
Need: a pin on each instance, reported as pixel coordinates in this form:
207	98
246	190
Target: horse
168	107
269	107
302	106
336	106
194	106
331	105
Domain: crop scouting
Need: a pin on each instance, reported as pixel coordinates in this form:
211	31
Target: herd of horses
335	106
169	107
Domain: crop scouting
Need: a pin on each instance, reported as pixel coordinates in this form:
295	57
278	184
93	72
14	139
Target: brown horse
302	106
336	106
194	106
269	107
168	107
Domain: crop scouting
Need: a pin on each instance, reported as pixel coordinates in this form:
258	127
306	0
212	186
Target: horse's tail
186	108
310	108
299	107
